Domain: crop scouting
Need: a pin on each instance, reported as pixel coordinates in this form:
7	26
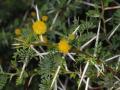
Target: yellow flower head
71	37
64	46
39	27
17	32
44	18
33	13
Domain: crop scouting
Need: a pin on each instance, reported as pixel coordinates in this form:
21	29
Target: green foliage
3	80
116	17
8	7
24	52
5	39
47	69
37	63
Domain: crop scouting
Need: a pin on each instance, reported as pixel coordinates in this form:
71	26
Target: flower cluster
64	46
44	18
39	27
17	32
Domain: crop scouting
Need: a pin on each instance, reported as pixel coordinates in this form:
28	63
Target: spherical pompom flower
63	46
39	27
44	18
71	37
17	32
33	13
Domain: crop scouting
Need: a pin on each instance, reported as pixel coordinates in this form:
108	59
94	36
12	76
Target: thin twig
103	17
97	39
111	8
87	43
76	29
71	57
62	86
37	12
87	84
118	64
38	53
113	31
83	74
90	4
96	6
23	68
108	20
116	56
30	80
54	20
55	85
57	71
